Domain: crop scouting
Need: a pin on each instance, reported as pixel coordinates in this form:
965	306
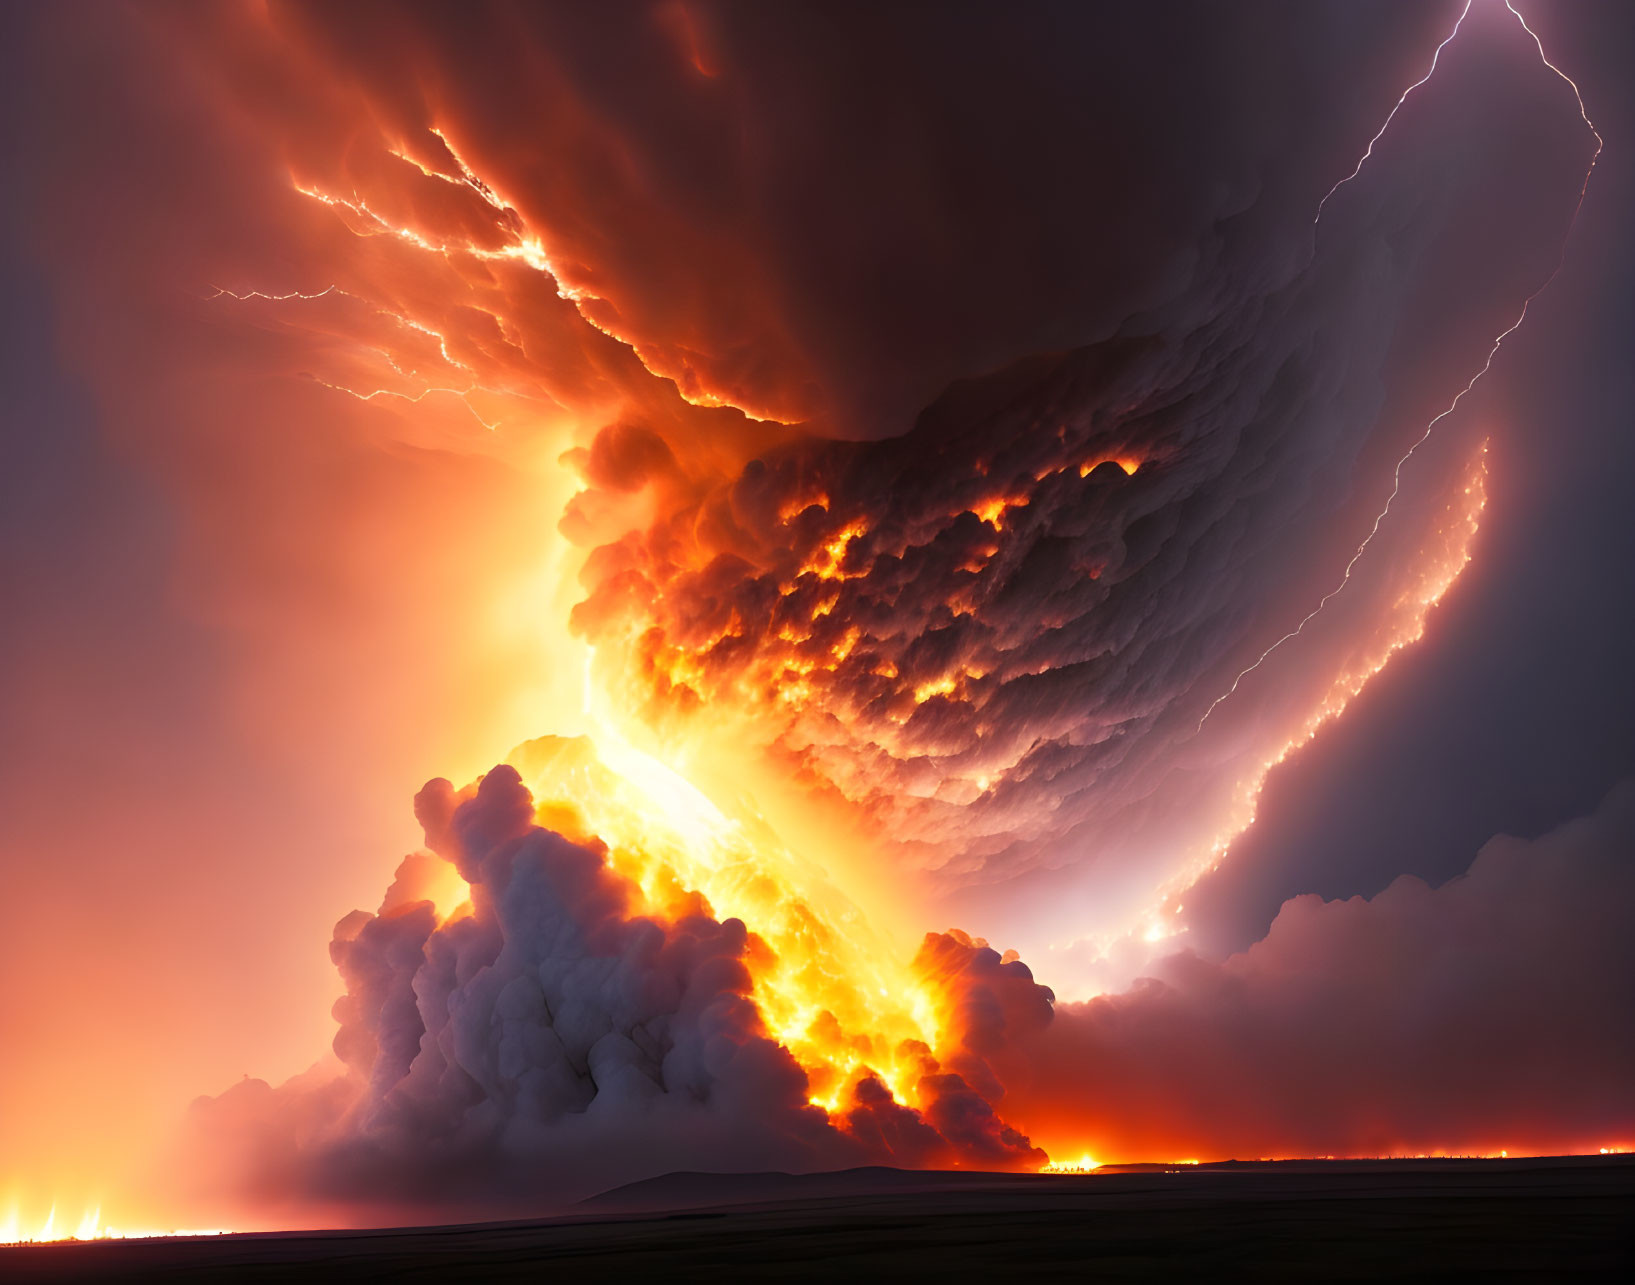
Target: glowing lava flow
1084	1164
1396	481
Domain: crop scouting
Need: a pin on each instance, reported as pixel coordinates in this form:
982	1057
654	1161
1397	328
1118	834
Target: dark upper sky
1517	712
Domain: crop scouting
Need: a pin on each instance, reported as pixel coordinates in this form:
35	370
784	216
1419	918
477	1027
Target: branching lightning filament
1493	350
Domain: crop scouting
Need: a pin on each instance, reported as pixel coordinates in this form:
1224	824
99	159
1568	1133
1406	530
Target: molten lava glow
834	996
831	991
993	511
827	564
1084	1164
1127	463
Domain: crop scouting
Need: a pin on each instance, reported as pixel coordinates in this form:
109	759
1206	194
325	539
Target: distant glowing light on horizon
90	1227
1084	1164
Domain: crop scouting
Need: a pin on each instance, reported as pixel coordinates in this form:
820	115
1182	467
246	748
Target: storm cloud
1485	1015
996	635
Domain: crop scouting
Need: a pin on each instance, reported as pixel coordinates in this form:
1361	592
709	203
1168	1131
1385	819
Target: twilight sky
1079	413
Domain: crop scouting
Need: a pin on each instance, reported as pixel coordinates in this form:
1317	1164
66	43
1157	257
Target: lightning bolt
1396	480
463	394
528	250
1369	150
219	291
409	323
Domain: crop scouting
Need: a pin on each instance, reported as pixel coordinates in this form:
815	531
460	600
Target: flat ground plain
1434	1220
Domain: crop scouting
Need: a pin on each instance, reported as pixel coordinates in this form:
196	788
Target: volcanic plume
884	545
583	1006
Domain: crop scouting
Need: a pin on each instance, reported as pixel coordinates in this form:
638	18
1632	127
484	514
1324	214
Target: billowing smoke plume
550	1039
558	1033
1488	1014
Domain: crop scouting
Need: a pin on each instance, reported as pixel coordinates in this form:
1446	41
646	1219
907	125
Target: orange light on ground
1084	1164
15	1231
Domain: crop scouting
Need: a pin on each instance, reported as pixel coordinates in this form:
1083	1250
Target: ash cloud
553	1042
992	635
1488	1014
553	1039
989	650
827	212
996	642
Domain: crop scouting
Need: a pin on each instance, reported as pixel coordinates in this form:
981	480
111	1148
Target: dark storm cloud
829	211
868	202
1488	1014
998	644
